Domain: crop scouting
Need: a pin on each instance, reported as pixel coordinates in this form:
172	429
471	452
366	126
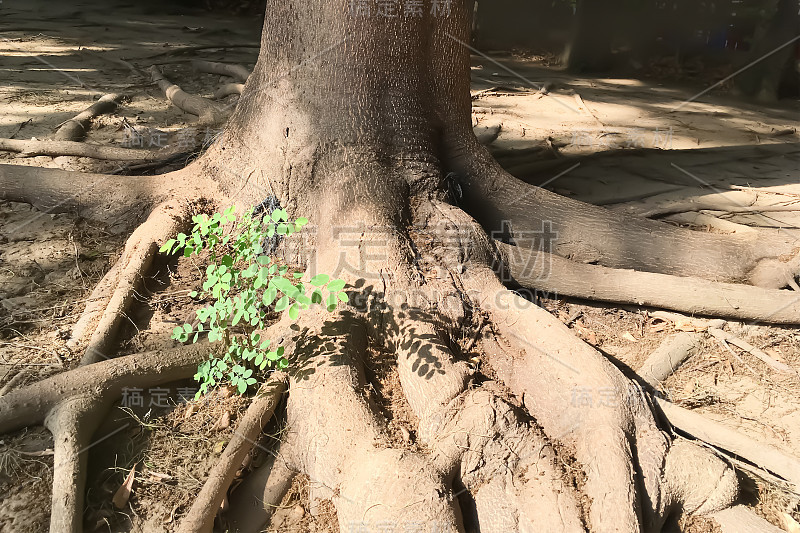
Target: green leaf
336	285
251	271
343	297
242	387
269	296
282	304
320	279
285	286
167	246
294	311
278	215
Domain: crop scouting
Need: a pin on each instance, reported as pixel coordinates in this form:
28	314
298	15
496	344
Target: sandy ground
53	68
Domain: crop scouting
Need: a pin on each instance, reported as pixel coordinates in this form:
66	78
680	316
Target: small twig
477	334
19	128
752	350
573	317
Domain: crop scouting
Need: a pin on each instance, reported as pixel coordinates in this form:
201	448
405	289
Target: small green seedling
245	285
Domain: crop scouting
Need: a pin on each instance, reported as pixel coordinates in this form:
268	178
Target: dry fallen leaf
192	409
628	337
123	494
224	421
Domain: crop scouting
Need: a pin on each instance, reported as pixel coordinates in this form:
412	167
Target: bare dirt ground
57	59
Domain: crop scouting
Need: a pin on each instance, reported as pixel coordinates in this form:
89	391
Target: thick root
346	455
594	410
72	423
113	296
200	518
75	128
767	457
71	405
30	405
254	502
207	111
228	89
591	234
694	296
102	197
79	149
668	357
509	467
238	72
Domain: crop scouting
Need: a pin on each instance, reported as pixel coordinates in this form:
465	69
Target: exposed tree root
682	201
703	219
739	518
112	297
670	355
72	404
200	518
31	404
80	149
347	455
509	468
102	197
238	72
207	111
693	296
228	89
75	128
591	234
257	498
72	423
607	436
756	452
13	382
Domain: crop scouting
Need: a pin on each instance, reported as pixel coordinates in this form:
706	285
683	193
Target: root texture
204	509
79	149
75	129
693	296
237	72
113	296
207	111
72	404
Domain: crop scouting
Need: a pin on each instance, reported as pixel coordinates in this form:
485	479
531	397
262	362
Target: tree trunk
772	59
359	118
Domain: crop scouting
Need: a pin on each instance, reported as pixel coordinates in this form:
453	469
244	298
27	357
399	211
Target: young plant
245	285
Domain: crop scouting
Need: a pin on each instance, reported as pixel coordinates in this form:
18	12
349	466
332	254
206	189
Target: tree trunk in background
777	40
593	32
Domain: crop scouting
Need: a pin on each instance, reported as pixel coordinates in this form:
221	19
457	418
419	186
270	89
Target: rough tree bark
773	54
362	122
